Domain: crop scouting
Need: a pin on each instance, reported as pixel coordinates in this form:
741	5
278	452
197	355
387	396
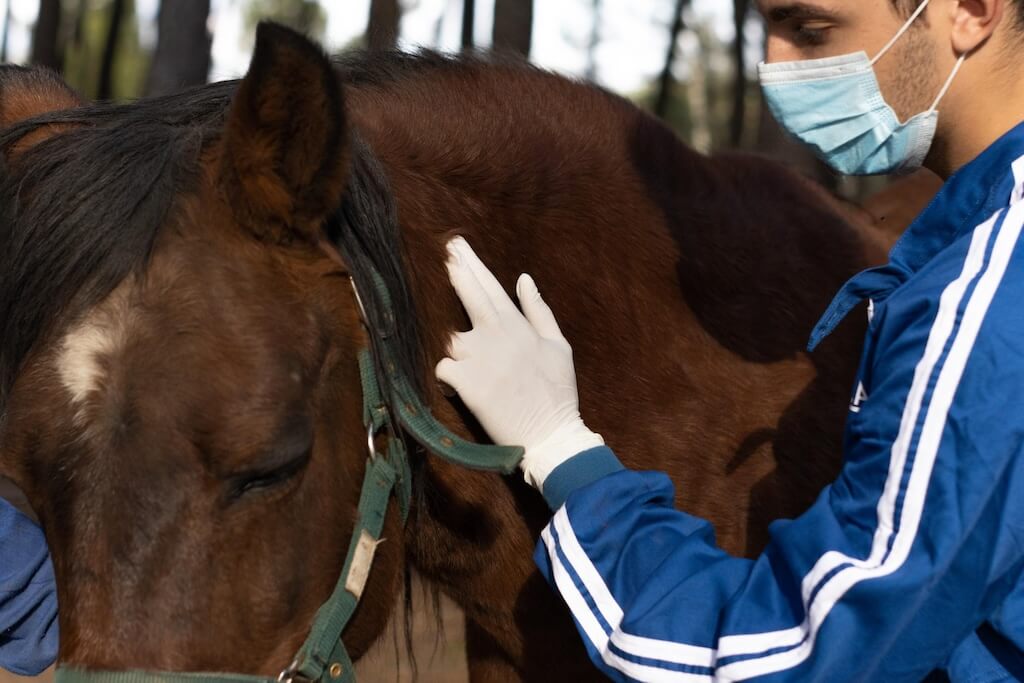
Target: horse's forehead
182	312
93	347
90	346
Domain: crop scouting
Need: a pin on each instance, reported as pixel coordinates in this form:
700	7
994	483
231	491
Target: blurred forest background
697	72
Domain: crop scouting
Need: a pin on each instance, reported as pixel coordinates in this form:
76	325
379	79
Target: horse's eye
251	482
284	461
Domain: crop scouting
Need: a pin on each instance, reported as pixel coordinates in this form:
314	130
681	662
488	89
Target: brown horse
178	342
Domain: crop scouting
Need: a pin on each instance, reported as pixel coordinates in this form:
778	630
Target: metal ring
371	446
359	301
288	675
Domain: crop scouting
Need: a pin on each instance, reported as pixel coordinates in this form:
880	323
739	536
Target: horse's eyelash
256	480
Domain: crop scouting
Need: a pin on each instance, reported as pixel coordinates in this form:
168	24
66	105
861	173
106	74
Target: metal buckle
291	674
359	300
371	445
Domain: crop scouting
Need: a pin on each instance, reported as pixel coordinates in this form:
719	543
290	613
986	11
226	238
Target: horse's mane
82	209
366	231
106	180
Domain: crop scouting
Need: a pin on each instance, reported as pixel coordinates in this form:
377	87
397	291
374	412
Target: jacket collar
971	196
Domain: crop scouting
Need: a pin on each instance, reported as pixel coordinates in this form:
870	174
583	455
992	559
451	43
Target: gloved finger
500	299
458	346
449	372
473	296
536	309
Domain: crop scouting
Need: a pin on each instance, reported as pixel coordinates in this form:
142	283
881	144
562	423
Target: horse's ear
285	151
27	92
30	91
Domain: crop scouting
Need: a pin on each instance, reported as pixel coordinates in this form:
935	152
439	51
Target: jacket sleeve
898	561
28	596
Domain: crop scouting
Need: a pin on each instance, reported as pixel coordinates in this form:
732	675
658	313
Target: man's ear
974	22
285	150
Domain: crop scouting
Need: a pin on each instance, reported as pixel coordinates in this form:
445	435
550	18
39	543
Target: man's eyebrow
799	11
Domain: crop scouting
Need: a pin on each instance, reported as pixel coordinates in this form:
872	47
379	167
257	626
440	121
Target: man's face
909	74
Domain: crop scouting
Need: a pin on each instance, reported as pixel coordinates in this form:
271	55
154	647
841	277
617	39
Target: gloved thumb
448	373
536	310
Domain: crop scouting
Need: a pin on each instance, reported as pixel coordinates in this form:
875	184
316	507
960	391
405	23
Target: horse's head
179	388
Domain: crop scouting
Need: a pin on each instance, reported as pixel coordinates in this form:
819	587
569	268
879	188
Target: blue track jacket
911	560
28	595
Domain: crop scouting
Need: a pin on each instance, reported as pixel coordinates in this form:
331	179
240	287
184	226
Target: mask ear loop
899	34
949	82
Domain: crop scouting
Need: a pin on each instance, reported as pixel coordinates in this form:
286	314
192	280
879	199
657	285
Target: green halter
323	656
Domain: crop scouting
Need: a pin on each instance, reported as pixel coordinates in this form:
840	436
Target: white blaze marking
102	334
79	359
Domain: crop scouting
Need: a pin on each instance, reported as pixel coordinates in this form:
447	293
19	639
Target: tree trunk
7	32
666	80
45	36
77	72
741	9
106	82
468	24
382	32
182	56
513	26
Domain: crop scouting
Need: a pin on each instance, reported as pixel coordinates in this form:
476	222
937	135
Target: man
28	594
912	559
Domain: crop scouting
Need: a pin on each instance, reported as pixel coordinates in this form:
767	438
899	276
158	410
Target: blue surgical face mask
835	106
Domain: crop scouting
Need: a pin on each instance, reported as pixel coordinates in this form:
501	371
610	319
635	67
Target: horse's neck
655	259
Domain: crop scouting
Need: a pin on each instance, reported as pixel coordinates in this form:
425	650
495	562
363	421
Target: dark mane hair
82	209
366	231
360	69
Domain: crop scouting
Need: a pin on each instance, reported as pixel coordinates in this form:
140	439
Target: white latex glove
514	372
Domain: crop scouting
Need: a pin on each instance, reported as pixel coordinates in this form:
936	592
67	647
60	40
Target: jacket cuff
578	471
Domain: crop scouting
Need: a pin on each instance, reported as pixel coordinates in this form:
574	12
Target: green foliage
305	16
83	53
702	95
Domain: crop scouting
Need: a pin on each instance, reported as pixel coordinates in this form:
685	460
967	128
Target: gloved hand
514	372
